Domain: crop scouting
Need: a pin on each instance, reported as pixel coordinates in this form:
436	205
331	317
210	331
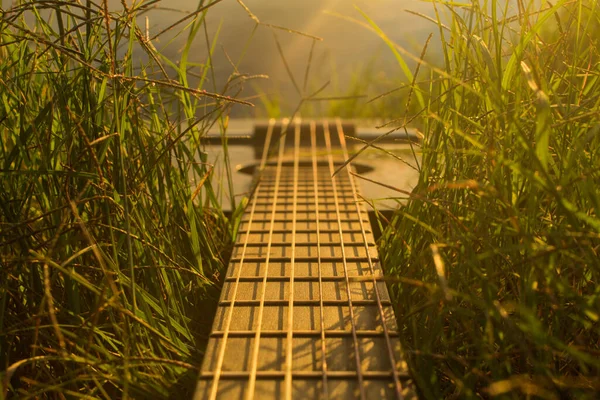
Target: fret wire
300	259
327	136
256	347
312	302
268	191
306	216
289	183
313	142
290	323
396	376
223	344
310	279
306	203
286	189
278	375
306	195
304	182
304	220
261	231
305	207
300	203
309	195
305	244
313	334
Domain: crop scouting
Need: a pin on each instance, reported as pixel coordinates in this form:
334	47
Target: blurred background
353	59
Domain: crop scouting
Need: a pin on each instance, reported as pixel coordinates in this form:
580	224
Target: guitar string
256	345
313	140
327	135
290	322
223	344
397	384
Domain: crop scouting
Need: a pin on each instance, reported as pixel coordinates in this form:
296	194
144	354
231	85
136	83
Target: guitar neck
304	311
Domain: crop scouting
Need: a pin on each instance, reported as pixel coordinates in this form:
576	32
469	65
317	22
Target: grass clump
108	257
496	255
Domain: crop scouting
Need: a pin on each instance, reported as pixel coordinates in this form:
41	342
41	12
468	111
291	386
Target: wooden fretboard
304	311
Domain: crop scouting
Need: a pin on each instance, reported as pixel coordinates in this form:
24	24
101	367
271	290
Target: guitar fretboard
304	312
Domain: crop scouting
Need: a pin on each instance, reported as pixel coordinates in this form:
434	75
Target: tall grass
496	256
109	258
